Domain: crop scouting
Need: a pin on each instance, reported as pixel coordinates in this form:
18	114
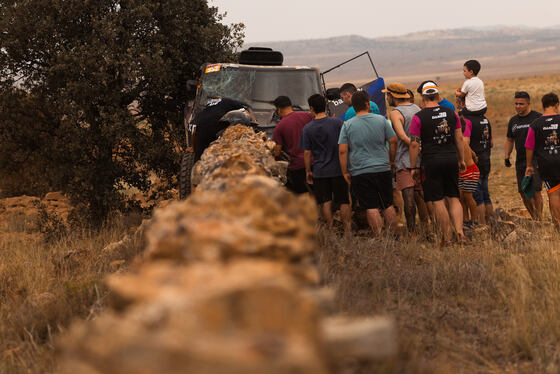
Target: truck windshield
259	87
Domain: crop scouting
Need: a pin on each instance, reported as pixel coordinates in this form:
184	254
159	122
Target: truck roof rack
261	56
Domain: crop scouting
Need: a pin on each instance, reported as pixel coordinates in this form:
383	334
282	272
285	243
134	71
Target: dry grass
44	286
485	308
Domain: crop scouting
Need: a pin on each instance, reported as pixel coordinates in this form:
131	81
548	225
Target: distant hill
503	52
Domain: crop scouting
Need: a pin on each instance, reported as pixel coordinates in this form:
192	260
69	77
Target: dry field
488	307
45	284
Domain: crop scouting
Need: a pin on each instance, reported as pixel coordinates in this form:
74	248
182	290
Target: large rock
164	282
21	214
250	217
246	317
238	152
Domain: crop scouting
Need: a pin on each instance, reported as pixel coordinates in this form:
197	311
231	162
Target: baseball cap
397	90
429	88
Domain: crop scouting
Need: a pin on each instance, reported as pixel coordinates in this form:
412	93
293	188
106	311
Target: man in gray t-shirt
401	117
366	164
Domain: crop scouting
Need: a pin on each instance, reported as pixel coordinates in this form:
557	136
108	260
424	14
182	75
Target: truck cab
257	86
255	81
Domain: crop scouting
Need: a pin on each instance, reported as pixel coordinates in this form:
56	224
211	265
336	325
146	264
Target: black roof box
261	56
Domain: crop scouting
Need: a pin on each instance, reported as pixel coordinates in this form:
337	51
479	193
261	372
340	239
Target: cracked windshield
258	88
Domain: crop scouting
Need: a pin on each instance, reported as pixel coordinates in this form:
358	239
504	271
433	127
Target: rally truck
258	79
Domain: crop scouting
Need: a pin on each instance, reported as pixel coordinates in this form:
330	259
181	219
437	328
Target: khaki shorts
405	180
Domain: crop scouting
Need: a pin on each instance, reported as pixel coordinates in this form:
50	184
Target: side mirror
192	86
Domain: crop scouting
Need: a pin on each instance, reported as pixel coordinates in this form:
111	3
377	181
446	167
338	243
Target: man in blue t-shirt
346	92
366	163
320	140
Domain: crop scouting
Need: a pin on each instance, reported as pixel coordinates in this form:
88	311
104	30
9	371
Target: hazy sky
278	20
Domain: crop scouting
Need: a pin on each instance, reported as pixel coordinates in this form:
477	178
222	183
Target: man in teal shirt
367	165
346	92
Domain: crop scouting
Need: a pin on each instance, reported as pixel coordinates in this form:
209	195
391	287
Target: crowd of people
435	155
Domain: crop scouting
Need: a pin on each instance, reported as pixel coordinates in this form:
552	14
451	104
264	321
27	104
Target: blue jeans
481	195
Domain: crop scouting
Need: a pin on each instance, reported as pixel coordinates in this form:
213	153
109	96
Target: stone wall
227	283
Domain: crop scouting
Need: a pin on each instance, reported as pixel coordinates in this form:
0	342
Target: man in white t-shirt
472	90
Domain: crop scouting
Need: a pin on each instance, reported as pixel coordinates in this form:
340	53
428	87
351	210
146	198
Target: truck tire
187	162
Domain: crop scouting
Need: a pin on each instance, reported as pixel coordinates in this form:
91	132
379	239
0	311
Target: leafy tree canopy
105	80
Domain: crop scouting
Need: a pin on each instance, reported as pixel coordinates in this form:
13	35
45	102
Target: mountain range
435	54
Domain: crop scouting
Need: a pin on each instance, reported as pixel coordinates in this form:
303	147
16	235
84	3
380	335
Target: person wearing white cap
438	129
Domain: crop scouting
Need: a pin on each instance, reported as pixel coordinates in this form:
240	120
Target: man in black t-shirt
207	123
438	129
517	135
543	142
480	141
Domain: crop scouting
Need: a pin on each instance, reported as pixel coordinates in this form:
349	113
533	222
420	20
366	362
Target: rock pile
21	215
226	284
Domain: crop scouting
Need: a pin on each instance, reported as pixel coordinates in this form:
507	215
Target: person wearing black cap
206	124
438	129
516	135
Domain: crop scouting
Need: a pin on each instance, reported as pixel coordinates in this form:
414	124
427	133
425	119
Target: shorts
552	185
331	189
484	165
405	180
468	180
475	113
373	190
297	181
442	179
520	171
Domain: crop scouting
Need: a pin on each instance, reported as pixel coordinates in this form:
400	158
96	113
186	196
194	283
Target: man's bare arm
530	170
307	161
414	150
398	125
459	143
509	147
277	151
460	149
343	158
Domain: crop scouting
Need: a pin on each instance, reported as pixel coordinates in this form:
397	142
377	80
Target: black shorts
442	179
520	172
296	181
484	165
374	190
480	112
552	185
331	189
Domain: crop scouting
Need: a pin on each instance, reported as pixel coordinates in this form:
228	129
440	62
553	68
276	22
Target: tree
86	62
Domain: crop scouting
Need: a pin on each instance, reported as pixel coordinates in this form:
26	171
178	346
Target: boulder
238	152
248	217
364	339
244	317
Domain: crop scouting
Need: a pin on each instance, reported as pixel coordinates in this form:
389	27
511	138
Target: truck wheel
187	162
